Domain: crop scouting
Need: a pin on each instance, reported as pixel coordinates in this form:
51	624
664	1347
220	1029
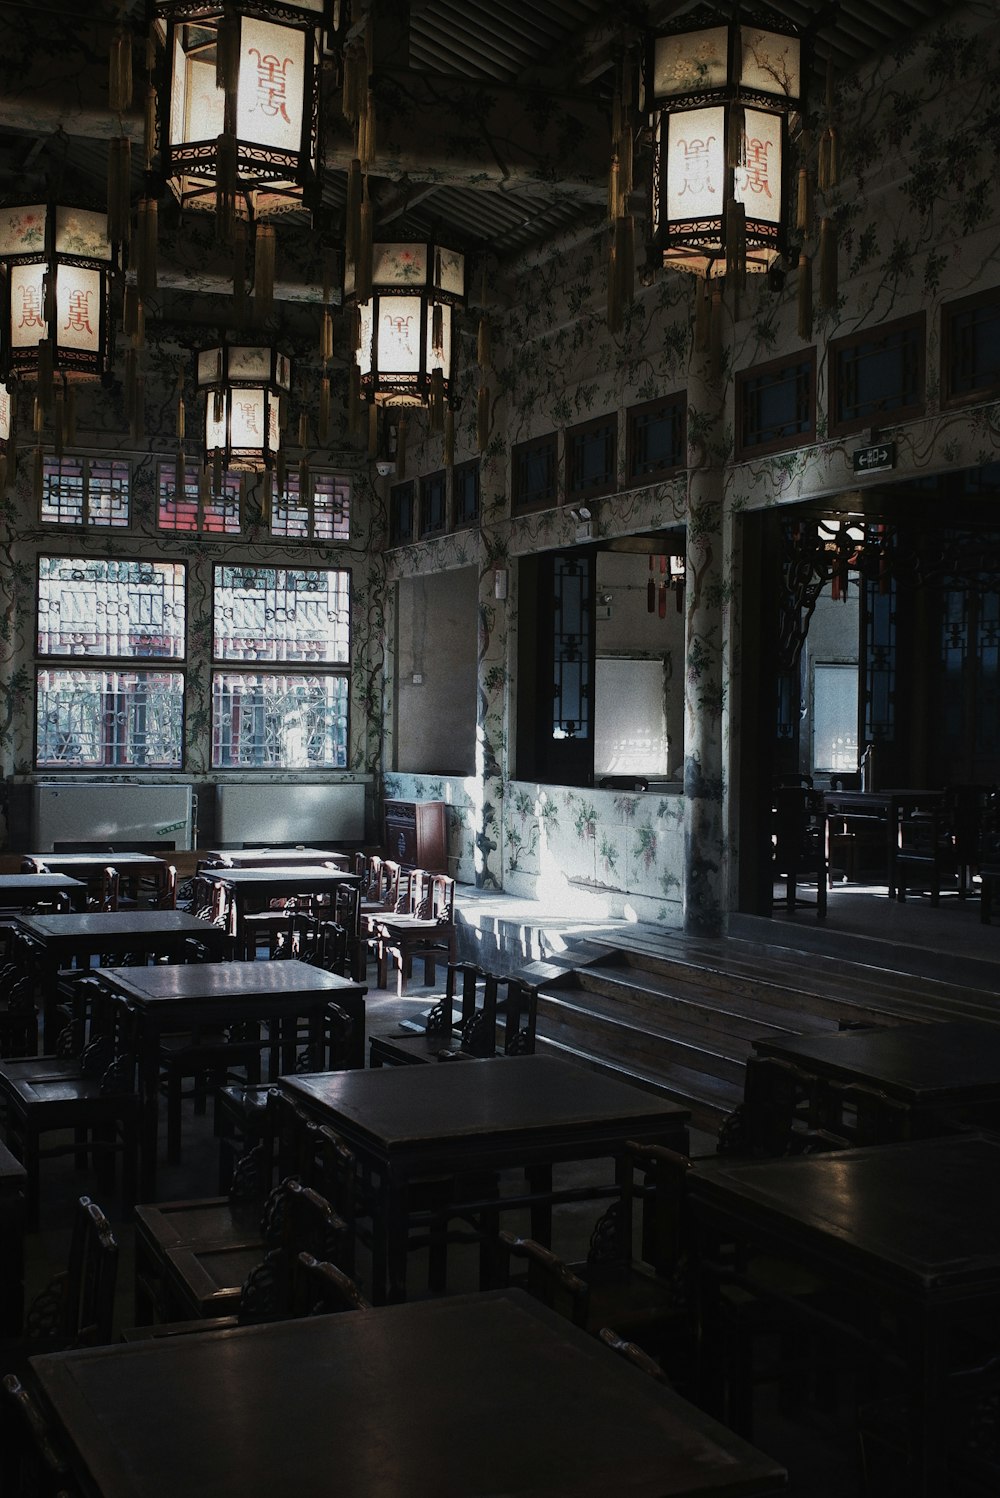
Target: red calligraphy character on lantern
697	166
755	174
248	415
31	306
272	84
78	312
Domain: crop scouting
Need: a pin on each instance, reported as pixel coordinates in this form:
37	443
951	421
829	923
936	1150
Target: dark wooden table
21	891
907	1236
884	807
12	1178
410	1123
934	1069
469	1397
185	996
135	869
269	858
66	939
253	889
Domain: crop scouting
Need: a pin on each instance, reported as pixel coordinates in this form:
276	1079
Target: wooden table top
84	925
35	886
299	876
149	986
924	1214
934	1063
93	863
267	858
467	1397
505	1098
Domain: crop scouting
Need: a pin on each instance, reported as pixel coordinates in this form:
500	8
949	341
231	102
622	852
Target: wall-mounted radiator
118	817
246	815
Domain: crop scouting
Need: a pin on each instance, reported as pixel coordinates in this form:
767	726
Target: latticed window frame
119	726
327	508
120	472
268	751
218	515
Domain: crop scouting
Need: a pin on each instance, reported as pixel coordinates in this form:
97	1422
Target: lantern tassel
435	403
833	157
218	408
146	247
804	296
483	350
69	415
803	204
324	410
149	127
225	186
366	132
449	438
120	70
715	330
179	477
827	265
363	270
263	275
483	418
326	336
354	401
119	187
352	221
437	329
281	473
38	477
373	430
613	189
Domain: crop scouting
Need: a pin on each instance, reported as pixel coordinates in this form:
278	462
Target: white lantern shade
772	63
246	385
275	122
28	325
57	259
696	164
758	181
399	335
690	62
270	99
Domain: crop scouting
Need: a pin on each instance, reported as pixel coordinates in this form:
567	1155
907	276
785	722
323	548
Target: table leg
396	1230
539	1178
149	1096
11	1265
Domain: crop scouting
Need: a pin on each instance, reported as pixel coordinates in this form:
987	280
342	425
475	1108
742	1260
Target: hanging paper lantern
243	391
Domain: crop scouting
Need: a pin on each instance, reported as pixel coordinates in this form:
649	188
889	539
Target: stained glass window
267	720
110	607
197	509
109	719
282	614
323	514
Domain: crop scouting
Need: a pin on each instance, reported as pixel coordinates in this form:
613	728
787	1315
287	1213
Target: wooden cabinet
416	834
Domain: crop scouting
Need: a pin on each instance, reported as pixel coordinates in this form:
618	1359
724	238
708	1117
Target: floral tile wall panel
595	851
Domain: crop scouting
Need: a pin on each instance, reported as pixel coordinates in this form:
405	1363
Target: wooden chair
800	843
94	1094
193	1258
18	1014
323	1289
427	932
633	1354
645	1297
33	1461
926	857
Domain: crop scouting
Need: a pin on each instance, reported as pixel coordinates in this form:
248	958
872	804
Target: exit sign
873	459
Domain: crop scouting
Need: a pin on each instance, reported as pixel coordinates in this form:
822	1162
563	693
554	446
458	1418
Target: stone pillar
705	593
